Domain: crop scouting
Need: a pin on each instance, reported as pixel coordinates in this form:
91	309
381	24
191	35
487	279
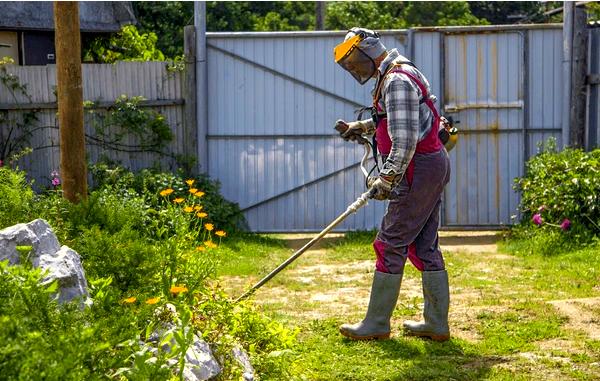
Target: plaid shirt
408	122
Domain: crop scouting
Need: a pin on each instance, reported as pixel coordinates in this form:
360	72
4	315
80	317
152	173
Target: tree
398	14
510	12
127	45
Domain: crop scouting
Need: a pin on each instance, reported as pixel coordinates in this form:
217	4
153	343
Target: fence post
579	94
201	84
70	101
190	142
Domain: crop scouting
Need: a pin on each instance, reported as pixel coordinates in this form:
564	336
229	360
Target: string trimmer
352	208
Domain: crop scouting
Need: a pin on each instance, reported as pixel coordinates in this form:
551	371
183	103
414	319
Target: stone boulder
59	262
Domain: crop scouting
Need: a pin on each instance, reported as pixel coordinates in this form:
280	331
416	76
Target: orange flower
199	194
209	227
153	300
198	208
210	244
201	215
220	233
178	289
201	248
130	300
178	200
188	209
166	192
190	182
193	190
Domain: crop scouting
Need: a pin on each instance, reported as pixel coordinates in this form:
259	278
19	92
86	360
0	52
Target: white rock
200	364
61	263
65	267
242	357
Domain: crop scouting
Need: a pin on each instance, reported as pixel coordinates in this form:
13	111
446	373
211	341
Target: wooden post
320	16
190	125
578	78
73	167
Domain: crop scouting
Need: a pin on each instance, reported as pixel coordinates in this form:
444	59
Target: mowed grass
503	324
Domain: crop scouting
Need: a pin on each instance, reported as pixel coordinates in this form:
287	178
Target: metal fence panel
273	101
484	86
545	88
593	136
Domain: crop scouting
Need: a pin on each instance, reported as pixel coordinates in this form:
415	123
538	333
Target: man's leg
435	284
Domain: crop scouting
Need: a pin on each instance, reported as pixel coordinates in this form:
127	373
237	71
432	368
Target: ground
511	317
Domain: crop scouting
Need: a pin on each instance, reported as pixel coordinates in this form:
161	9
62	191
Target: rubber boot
435	312
376	325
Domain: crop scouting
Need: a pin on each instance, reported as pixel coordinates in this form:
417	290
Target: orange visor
345	48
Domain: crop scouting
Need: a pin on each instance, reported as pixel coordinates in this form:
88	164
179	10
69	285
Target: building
27	27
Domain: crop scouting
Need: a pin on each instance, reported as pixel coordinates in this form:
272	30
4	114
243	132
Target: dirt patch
469	241
581	315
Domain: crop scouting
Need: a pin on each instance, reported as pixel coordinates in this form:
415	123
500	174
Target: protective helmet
358	52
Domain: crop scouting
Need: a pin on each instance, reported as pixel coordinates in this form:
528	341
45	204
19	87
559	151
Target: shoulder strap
424	94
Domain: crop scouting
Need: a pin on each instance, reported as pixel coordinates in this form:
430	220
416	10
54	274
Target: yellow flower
166	192
190	182
153	300
198	208
130	300
188	209
199	194
178	289
201	248
193	190
209	227
220	233
210	244
178	200
201	215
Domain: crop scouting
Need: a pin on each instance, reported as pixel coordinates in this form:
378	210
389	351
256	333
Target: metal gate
484	89
273	99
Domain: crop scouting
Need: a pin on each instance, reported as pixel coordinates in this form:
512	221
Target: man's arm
402	108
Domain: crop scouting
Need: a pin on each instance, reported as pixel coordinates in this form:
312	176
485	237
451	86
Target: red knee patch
380	252
412	256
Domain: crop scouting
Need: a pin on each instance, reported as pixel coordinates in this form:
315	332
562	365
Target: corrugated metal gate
274	98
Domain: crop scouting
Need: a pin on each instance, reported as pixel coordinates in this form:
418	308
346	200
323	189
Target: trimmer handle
342	127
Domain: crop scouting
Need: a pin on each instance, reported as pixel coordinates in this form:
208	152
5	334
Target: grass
503	326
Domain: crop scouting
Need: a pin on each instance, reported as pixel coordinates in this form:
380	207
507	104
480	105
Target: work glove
353	131
381	186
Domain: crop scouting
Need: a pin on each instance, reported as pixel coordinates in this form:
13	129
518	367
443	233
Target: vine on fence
125	126
15	132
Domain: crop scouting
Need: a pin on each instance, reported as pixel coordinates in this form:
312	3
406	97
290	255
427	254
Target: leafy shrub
561	191
16	197
42	341
148	183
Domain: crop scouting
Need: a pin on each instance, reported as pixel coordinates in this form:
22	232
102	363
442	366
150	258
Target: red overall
429	144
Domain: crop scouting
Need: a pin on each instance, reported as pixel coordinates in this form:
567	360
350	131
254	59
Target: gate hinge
593	79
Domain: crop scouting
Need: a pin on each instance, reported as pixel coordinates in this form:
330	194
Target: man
416	168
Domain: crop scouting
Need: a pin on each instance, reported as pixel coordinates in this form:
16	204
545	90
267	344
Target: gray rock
61	263
200	363
65	267
244	360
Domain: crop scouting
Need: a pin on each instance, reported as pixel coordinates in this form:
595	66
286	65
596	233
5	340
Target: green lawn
512	317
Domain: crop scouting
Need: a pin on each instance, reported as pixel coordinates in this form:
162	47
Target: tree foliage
168	18
127	45
397	14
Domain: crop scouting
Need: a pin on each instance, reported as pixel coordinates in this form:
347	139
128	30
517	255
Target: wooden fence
162	87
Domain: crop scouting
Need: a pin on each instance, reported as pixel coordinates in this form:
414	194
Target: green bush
42	341
16	197
560	196
148	183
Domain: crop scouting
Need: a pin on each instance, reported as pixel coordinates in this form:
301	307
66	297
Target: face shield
349	56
